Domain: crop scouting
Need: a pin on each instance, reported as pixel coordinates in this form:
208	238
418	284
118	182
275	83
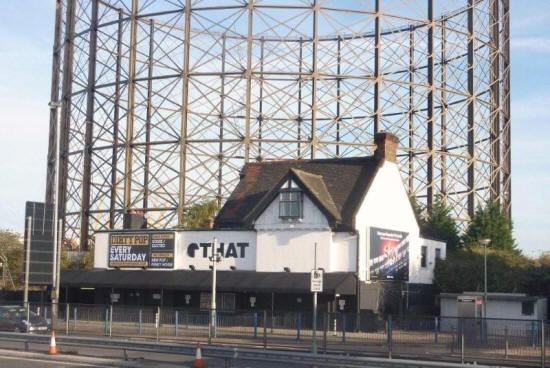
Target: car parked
14	318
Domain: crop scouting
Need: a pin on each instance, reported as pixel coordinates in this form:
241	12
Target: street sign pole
27	263
316	286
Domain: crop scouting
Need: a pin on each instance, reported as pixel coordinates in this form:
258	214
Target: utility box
469	306
469	310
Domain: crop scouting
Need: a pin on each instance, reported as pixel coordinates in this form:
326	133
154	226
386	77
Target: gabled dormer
325	192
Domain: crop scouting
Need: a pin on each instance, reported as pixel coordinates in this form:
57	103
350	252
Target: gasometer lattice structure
164	101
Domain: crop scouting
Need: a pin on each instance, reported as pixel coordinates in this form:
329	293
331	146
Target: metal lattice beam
163	102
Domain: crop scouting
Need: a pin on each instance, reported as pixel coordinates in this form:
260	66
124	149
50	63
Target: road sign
317	281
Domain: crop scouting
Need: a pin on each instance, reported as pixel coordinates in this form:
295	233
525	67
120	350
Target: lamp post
214	258
485	243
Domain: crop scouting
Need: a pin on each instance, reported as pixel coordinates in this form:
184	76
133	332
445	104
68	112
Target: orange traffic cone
198	358
53	347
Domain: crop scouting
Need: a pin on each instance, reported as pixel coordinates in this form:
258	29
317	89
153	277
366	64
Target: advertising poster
142	250
389	254
162	250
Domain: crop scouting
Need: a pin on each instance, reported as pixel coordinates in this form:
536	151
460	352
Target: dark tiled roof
231	281
336	185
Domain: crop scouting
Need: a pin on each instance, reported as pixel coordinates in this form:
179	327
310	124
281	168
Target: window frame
525	309
289	190
437	254
424	256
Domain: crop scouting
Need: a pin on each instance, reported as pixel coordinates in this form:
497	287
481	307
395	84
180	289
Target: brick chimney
386	146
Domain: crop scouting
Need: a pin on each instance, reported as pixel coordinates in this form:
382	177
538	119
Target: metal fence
459	338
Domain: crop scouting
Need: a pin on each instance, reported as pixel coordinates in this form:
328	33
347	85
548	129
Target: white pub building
352	214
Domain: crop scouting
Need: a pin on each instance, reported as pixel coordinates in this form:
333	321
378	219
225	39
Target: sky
26	40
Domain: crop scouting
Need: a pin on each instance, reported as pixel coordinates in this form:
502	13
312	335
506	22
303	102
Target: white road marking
55	361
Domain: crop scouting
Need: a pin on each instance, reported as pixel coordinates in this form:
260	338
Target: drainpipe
357	284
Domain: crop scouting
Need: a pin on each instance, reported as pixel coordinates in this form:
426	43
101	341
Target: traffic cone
198	358
53	347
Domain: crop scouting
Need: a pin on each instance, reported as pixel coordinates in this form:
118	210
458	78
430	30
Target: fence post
343	327
436	329
542	345
140	317
298	324
389	335
111	320
452	339
462	340
157	322
325	330
106	319
176	323
255	325
67	318
506	342
75	313
533	338
265	329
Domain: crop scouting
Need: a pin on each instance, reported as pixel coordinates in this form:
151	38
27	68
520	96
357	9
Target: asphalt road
13	356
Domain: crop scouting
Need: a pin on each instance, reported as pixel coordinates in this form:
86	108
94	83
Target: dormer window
291	201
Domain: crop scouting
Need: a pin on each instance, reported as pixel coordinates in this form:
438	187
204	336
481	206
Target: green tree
12	248
463	271
439	224
195	216
491	222
436	222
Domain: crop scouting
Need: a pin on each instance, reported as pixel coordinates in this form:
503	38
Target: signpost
316	286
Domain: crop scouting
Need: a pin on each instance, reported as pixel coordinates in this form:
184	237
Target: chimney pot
386	146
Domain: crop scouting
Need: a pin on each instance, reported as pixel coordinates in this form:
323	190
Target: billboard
389	254
142	250
41	241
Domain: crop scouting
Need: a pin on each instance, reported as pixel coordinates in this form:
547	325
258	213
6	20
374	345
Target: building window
423	256
527	308
437	254
291	203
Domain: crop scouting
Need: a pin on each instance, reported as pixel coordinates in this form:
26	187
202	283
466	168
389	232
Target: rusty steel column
430	122
376	100
495	100
88	136
506	134
338	81
116	121
66	92
411	111
54	97
471	111
129	146
314	77
184	114
443	111
148	112
261	99
222	117
299	119
248	76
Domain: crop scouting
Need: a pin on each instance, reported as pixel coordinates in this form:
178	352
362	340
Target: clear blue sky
26	37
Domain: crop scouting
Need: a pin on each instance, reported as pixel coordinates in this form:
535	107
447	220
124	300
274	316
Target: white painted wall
188	239
313	218
387	205
293	249
101	250
343	252
507	309
424	275
182	258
